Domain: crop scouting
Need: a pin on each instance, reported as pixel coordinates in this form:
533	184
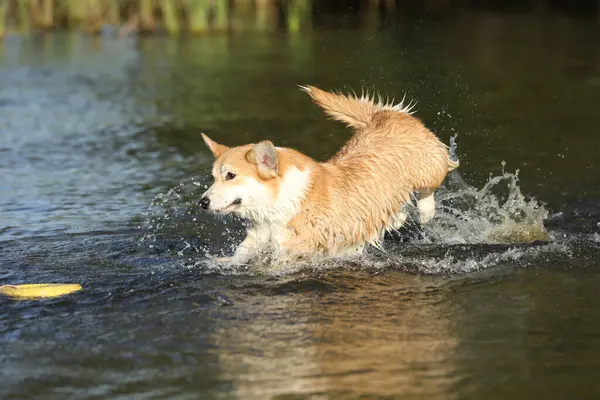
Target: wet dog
304	207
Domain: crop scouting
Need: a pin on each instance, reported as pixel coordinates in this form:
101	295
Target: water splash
173	223
411	258
498	213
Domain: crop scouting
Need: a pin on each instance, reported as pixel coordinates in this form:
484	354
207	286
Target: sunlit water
101	167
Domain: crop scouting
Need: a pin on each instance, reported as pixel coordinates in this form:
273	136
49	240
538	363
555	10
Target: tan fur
359	193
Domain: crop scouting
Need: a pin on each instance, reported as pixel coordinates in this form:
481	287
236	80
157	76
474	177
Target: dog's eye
229	176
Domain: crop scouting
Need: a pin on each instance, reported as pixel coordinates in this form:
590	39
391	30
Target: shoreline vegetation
152	17
198	17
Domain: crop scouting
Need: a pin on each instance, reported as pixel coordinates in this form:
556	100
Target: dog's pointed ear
216	148
264	155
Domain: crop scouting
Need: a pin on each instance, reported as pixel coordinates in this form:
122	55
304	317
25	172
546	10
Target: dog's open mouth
231	207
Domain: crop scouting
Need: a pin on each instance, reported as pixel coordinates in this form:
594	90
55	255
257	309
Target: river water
101	165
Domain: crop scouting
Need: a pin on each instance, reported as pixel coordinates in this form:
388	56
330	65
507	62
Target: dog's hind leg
426	205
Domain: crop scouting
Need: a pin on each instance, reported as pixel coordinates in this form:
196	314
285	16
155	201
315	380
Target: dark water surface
92	130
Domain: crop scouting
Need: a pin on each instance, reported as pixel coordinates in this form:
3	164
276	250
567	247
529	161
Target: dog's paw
425	217
426	206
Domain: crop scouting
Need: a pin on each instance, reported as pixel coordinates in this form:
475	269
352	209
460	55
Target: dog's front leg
297	246
256	239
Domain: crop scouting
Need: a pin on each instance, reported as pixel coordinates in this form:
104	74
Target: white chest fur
270	215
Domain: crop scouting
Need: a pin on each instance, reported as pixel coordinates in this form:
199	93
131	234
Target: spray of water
497	213
173	224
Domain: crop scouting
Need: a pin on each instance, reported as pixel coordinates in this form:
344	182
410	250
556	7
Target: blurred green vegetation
144	17
177	17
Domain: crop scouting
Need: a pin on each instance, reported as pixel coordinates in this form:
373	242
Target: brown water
93	130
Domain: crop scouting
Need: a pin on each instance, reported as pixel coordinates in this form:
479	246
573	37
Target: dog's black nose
205	202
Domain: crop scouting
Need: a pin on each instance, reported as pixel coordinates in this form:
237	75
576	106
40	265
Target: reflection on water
355	336
93	129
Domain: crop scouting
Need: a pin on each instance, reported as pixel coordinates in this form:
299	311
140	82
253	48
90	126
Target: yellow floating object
39	290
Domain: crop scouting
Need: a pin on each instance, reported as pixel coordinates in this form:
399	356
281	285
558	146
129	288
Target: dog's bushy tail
354	111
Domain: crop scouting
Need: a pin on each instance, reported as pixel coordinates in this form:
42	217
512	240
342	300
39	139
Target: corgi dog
304	207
